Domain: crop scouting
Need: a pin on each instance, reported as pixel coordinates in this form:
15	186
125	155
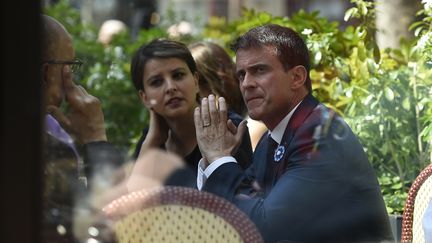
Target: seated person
217	76
166	78
76	146
310	180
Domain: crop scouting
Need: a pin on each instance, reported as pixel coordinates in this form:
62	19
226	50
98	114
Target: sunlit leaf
406	104
349	13
318	56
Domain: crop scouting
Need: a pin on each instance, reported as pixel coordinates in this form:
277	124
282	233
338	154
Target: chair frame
169	195
407	217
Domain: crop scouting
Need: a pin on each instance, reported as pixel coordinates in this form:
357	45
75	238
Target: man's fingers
87	98
214	116
50	108
205	112
73	92
223	116
78	97
237	130
231	127
59	116
241	129
83	91
197	119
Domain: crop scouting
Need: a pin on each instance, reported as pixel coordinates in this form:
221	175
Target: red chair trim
407	217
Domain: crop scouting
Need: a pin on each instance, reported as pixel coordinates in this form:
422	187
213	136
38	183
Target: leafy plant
105	73
385	95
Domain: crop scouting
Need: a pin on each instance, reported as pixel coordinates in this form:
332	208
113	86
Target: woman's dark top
243	155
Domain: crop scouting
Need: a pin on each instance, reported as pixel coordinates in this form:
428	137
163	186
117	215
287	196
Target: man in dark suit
310	180
76	147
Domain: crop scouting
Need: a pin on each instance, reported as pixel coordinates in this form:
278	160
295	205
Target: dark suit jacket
322	190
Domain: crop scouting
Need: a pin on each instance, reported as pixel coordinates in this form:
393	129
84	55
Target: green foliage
393	192
106	72
106	75
385	95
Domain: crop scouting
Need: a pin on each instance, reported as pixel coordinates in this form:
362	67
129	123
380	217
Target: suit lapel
260	166
301	113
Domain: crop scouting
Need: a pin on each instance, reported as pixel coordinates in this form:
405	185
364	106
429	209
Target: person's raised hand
216	135
152	168
85	119
157	133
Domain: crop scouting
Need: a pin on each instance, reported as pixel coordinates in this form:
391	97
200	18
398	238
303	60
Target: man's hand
85	120
216	136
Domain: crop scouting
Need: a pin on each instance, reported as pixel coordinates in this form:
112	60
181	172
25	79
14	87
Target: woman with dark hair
217	74
166	78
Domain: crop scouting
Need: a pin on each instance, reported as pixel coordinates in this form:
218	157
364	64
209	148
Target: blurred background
371	62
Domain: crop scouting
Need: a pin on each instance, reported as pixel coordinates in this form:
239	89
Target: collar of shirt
278	132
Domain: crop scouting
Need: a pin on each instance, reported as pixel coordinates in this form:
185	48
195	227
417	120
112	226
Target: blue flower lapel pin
279	153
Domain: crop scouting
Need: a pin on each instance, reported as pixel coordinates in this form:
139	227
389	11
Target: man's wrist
204	172
218	162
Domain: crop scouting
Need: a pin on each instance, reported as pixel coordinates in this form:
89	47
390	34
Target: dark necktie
271	165
271	148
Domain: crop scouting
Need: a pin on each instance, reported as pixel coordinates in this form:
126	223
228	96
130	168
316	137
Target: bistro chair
419	196
178	214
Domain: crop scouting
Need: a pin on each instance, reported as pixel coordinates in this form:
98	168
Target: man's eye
240	76
260	69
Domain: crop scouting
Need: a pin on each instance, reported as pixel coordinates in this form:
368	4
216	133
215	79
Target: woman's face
170	88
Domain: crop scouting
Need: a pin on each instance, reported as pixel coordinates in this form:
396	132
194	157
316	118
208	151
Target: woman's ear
299	76
144	99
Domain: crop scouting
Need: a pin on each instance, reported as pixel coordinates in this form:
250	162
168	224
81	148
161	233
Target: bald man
76	146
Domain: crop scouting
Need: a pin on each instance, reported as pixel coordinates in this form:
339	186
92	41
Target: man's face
53	73
265	85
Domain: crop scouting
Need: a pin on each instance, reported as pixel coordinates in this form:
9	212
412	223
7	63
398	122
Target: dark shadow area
21	151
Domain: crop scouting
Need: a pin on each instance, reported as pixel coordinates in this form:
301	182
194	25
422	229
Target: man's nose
248	81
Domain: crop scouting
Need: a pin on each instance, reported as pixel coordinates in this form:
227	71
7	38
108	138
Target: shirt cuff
204	173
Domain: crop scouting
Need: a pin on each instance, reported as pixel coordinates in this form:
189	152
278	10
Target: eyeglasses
75	64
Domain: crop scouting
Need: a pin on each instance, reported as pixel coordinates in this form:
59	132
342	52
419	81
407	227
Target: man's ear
299	76
144	99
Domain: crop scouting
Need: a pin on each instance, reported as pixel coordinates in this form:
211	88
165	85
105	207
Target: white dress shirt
277	134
